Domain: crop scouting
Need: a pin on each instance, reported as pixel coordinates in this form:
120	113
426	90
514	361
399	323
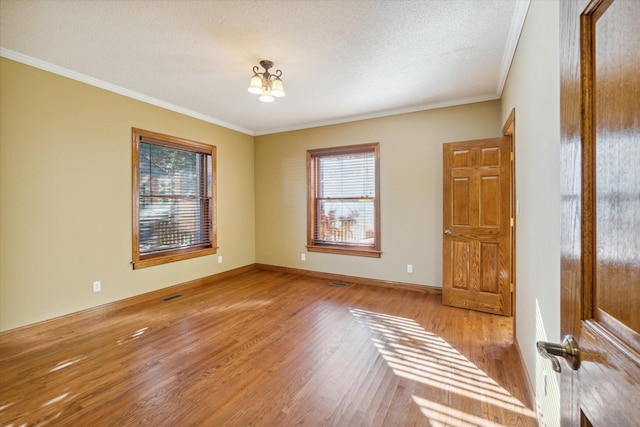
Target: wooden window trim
148	260
342	249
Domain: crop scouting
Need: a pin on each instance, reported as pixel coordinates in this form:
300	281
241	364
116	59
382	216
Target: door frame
509	129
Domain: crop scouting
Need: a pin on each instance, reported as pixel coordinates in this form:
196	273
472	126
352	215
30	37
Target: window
343	201
173	190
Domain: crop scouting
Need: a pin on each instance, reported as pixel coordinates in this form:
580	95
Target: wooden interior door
477	225
600	161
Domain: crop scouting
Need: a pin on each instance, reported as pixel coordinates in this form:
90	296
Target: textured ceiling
341	60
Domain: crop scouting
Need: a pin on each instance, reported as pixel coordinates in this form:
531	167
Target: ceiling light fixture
265	84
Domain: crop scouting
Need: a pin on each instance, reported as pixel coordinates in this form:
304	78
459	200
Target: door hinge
511	287
512	222
512	156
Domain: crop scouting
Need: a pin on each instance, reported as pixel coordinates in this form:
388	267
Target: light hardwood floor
268	348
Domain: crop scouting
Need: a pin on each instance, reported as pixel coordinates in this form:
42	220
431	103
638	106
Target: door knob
447	232
569	350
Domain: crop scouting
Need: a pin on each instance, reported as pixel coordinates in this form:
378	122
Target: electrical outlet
219	259
303	257
97	286
409	268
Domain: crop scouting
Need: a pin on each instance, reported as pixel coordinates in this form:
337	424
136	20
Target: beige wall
65	196
533	89
410	193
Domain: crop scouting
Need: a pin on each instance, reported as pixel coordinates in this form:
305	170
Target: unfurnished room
320	213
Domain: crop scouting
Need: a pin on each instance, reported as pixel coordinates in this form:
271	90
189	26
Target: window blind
345	199
175	201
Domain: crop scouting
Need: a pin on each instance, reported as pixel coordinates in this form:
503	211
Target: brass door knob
568	350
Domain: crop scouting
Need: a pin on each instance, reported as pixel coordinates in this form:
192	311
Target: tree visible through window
173	199
343	202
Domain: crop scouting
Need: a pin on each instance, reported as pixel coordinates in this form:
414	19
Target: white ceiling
341	60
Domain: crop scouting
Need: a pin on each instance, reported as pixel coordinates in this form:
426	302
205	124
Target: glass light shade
277	89
266	96
256	85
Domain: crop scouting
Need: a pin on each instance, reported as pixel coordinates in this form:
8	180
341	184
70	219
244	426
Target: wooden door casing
477	213
600	210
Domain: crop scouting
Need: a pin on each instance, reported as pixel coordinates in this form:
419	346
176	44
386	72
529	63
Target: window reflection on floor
418	355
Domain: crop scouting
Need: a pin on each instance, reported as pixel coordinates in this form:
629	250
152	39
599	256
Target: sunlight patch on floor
133	336
66	364
442	415
421	356
55	399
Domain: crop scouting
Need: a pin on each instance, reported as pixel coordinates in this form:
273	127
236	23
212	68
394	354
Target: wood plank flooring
268	349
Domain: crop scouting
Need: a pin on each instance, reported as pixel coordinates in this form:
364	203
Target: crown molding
64	72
